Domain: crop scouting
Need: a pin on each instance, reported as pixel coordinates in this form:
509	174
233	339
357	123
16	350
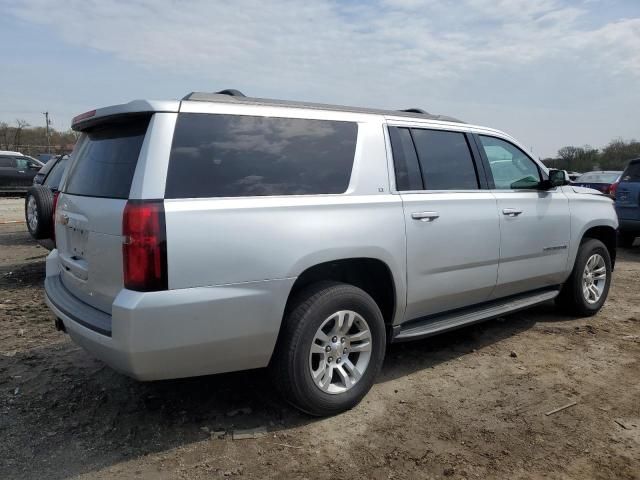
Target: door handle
511	212
425	216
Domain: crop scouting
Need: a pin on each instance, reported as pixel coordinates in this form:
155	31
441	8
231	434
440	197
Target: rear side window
632	172
445	160
7	162
105	159
236	155
405	160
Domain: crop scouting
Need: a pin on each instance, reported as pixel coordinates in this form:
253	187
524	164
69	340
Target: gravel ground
468	404
11	210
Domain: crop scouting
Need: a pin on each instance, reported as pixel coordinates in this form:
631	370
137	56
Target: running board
439	323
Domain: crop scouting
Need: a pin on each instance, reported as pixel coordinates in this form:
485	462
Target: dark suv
628	203
17	171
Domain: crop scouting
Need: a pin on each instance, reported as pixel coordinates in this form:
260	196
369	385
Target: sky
549	72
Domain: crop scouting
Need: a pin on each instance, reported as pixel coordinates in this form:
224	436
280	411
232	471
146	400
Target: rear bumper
176	333
629	226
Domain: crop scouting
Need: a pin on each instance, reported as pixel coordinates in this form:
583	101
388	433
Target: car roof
8	152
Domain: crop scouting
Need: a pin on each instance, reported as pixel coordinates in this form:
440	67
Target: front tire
330	349
587	288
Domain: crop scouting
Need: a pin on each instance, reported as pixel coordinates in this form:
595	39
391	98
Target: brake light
613	188
83	116
144	249
53	216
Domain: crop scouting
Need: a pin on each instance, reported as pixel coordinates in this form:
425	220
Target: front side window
511	168
445	160
238	155
632	172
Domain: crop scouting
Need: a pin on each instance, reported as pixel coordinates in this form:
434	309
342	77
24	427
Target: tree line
29	140
614	156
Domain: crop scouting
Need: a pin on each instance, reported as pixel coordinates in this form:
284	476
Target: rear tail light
56	194
612	189
144	249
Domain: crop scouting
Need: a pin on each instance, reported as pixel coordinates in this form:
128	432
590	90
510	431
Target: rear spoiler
93	117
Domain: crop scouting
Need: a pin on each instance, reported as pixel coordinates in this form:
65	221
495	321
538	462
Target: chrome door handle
425	216
511	212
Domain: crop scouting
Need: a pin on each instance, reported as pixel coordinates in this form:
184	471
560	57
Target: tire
38	212
291	366
572	297
626	240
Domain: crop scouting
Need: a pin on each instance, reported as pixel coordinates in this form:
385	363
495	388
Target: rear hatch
90	208
628	193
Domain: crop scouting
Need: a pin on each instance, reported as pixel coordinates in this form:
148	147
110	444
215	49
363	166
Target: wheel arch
371	274
607	235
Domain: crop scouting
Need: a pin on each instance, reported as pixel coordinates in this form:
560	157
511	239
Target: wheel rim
32	213
340	352
594	278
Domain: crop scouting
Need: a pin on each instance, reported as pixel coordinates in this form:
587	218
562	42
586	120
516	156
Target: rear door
452	226
628	194
534	224
90	207
8	172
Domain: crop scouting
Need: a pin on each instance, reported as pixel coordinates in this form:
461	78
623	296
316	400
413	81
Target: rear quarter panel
221	241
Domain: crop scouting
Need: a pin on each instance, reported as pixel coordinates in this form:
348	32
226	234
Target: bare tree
20	124
4	135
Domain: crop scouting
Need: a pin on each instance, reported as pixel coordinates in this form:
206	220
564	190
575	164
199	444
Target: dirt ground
469	404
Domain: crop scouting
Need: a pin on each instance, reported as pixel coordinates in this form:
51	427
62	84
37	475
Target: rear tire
344	361
626	240
38	212
585	291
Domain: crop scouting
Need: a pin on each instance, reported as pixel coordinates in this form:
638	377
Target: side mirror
34	166
557	178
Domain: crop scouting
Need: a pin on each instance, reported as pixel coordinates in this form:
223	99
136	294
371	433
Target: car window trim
478	165
487	167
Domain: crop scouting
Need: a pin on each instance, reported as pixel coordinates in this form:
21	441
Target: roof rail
236	97
415	110
231	92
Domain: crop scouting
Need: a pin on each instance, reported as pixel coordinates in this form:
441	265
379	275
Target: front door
452	225
534	224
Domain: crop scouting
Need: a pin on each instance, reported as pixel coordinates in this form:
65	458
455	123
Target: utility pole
47	123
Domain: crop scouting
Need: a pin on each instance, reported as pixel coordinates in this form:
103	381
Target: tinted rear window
632	173
105	159
234	155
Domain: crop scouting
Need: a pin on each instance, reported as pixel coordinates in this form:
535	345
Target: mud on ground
469	404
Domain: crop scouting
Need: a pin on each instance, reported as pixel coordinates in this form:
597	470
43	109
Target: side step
427	326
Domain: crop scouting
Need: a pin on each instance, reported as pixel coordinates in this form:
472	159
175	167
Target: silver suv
223	233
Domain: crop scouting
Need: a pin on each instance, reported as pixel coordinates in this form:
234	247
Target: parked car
39	200
628	203
223	233
603	181
17	171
